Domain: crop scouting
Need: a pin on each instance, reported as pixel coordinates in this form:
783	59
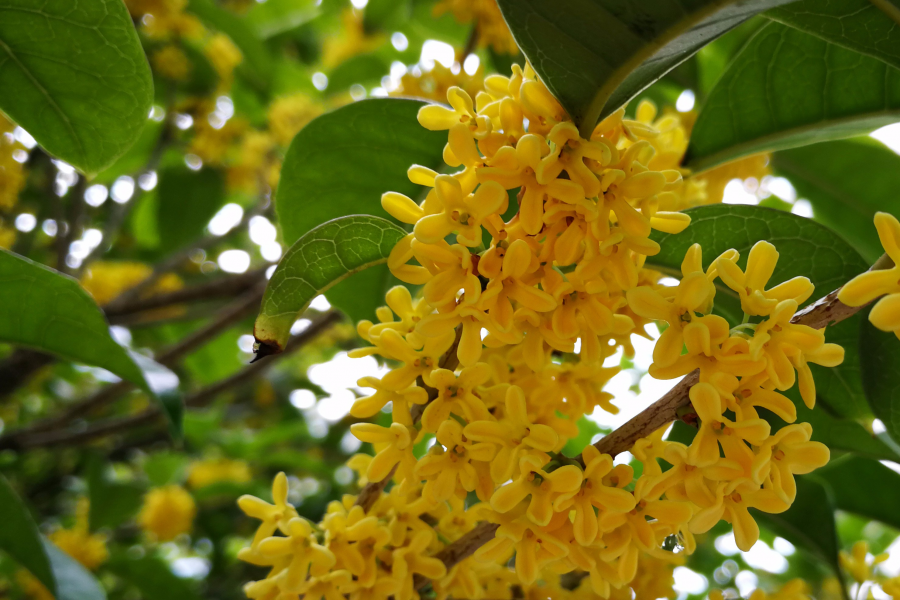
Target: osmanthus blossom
504	346
880	283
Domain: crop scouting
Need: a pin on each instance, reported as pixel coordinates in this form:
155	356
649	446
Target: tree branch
198	399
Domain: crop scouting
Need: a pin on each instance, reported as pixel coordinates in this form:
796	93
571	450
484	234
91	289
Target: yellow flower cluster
167	512
12	173
165	18
224	57
349	40
865	288
170	61
485	16
796	589
289	114
208	472
434	84
531	304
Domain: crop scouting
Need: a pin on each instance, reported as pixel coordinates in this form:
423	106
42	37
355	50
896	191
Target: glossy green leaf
852	480
186	201
153	578
880	366
59	573
277	16
593	75
859	25
809	522
340	164
787	88
75	76
805	248
42	309
847	182
322	257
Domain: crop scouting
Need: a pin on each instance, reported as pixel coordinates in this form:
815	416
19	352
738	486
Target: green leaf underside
859	25
318	260
593	75
340	164
809	522
847	182
45	310
880	366
75	76
851	479
806	248
825	92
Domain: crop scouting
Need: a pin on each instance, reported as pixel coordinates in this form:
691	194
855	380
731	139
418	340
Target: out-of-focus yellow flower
164	18
858	563
224	57
106	280
436	82
207	472
351	39
715	180
167	512
170	61
12	172
31	586
487	19
7	237
256	165
78	542
290	114
212	144
862	289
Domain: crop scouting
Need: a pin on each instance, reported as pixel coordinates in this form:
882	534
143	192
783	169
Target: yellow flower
78	542
787	453
167	512
487	19
300	550
456	395
272	516
412	559
289	114
171	61
224	56
207	472
393	444
715	429
515	434
862	289
857	561
543	487
452	464
750	283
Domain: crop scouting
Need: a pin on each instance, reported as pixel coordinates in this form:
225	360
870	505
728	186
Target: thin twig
198	399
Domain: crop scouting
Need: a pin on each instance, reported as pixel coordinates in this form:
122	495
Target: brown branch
826	311
220	287
450	360
230	315
198	399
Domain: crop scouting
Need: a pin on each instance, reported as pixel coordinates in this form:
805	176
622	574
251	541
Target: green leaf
809	522
805	248
277	16
786	89
75	77
847	182
152	577
42	309
60	574
593	75
363	69
852	479
73	582
340	164
318	260
866	27
19	536
187	200
880	365
257	63
112	503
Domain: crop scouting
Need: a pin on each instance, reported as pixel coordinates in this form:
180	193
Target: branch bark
200	398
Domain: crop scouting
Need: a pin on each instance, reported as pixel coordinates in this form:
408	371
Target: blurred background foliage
174	240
